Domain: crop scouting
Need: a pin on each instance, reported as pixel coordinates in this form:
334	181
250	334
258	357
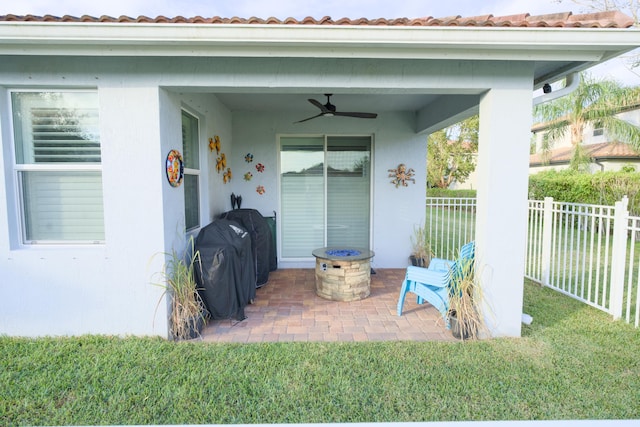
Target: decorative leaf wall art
226	177
214	144
221	162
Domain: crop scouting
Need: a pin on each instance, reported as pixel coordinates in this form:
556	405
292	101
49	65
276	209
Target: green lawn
572	363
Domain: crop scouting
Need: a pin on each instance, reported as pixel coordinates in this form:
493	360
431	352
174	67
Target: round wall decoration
175	168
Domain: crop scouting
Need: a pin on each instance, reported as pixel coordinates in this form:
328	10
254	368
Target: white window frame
20	168
193	172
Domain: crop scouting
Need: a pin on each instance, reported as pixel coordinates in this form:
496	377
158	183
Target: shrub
445	192
601	188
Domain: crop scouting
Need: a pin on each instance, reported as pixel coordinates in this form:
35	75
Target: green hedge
445	192
601	188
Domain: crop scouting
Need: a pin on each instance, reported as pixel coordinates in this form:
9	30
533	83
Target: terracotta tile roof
612	19
599	151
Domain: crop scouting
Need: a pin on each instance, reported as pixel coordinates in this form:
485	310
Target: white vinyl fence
588	252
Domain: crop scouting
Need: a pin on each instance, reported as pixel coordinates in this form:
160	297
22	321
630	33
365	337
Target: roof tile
602	150
613	19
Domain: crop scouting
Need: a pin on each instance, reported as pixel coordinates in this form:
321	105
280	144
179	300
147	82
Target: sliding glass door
325	187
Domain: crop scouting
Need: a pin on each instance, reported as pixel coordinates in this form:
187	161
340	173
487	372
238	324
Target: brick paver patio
288	309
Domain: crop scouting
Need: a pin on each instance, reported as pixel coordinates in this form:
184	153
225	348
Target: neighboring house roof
612	19
599	151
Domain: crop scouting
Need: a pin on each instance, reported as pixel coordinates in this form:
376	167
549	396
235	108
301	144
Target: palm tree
594	103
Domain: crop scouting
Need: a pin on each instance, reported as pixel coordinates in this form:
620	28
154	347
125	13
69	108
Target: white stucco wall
103	288
501	218
395	210
107	288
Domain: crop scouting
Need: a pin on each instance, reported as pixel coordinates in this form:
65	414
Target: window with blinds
191	158
348	191
325	187
58	166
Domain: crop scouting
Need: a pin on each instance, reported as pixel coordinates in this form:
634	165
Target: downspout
572	83
595	160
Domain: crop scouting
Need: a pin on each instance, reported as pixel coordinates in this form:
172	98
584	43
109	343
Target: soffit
555	44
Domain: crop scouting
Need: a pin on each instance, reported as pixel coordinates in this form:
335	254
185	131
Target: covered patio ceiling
372	100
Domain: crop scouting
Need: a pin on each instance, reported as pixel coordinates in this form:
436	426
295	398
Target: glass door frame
326	137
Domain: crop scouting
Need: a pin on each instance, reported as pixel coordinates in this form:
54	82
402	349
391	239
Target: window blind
65	136
59	206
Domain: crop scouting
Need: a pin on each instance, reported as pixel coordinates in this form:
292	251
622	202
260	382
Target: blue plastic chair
433	284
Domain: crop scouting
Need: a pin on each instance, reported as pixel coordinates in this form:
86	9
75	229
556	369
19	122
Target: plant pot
419	262
195	326
457	330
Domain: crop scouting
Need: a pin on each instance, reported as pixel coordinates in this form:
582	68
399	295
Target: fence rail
588	252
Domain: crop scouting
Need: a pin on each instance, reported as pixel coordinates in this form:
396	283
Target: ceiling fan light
328	114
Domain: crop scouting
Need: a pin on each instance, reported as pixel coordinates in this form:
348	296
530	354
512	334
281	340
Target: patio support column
501	221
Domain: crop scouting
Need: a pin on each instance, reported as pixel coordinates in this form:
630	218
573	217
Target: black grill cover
227	280
263	249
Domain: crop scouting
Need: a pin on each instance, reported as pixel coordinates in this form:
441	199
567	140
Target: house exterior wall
101	288
501	219
603	165
588	137
106	289
395	210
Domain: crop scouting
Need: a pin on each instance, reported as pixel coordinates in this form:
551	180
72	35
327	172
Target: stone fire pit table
343	274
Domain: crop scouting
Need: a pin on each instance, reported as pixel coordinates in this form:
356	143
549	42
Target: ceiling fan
329	110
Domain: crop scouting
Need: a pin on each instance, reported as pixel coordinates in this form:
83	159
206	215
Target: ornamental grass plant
421	246
186	308
465	301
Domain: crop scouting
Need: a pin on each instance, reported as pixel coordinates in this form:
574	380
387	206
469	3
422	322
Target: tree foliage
450	153
596	103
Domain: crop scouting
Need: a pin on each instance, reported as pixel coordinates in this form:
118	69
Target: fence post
618	257
547	233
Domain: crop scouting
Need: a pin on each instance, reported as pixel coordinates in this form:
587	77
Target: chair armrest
440	264
435	278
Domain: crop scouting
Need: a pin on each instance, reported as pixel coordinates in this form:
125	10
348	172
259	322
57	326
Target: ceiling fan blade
329	109
359	115
319	105
309	118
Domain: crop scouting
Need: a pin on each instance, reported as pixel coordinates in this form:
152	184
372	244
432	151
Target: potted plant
465	317
187	310
421	247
